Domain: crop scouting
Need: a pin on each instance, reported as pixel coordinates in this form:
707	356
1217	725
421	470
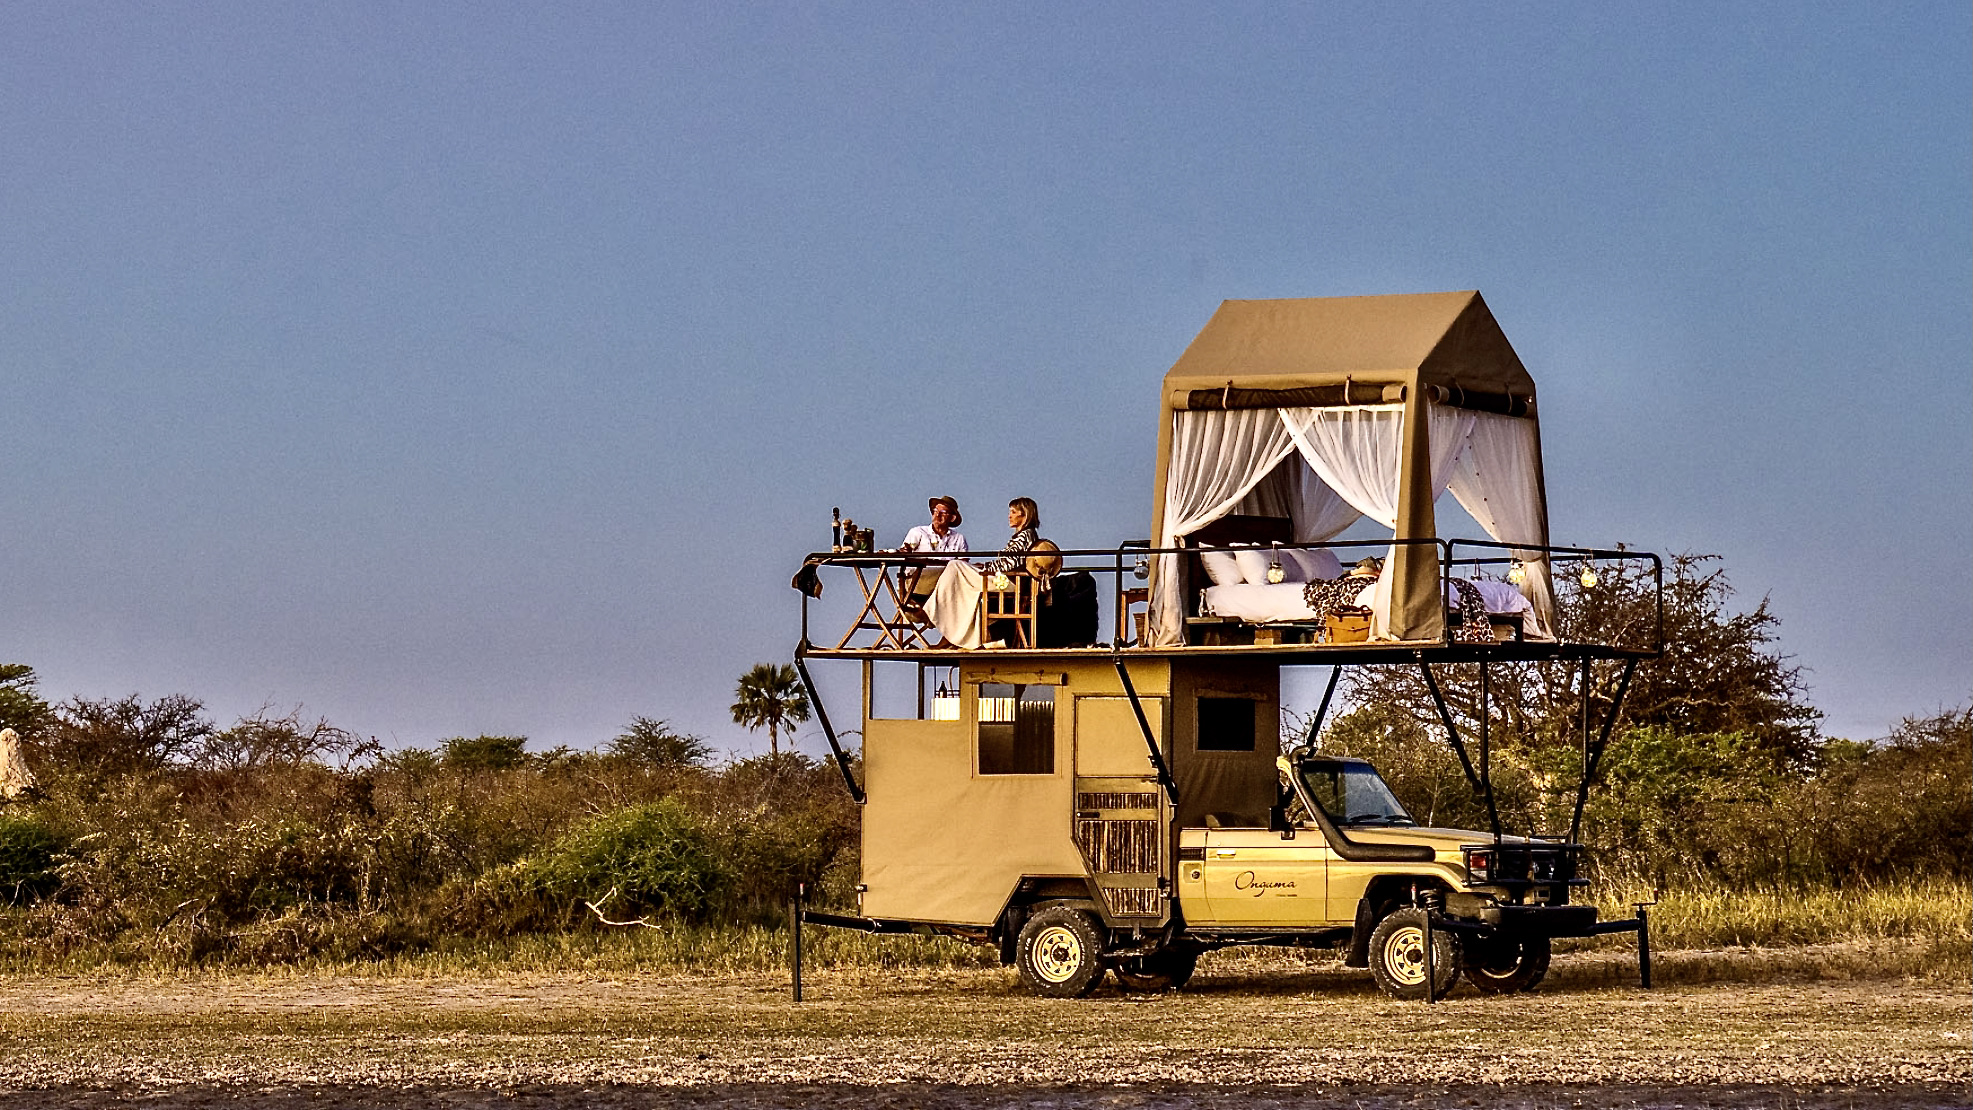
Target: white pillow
1221	566
1254	562
1318	564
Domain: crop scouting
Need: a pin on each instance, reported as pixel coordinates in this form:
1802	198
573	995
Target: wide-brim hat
951	506
1367	568
1042	562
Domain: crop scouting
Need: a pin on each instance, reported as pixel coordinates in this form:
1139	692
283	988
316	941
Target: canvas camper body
954	832
1119	768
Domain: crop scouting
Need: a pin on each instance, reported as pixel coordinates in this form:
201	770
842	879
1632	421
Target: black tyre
1059	952
1167	969
1503	966
1397	956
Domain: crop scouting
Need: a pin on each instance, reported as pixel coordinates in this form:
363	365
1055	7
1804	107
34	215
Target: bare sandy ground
970	1039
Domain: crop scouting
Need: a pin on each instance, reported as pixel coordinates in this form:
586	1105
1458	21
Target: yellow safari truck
1106	789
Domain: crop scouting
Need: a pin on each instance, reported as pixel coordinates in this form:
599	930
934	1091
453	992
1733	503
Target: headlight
1479	865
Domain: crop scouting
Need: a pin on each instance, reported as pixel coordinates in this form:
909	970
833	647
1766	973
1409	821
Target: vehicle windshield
1352	794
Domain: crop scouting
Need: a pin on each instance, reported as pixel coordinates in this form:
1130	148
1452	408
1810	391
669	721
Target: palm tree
770	694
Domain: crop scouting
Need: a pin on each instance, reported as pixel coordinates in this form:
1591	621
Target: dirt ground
970	1039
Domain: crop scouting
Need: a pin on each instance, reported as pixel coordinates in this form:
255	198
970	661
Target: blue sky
474	368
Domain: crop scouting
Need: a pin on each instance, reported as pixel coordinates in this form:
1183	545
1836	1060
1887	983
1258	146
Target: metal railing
1606	569
1128	566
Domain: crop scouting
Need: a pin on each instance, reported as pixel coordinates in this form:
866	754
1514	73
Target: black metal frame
822	717
1119	561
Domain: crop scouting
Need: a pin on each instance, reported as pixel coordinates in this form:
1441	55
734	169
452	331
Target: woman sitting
1024	517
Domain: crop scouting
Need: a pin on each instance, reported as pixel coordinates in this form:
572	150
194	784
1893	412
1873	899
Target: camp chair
1019	604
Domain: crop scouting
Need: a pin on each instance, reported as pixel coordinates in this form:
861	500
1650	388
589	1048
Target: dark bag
1068	612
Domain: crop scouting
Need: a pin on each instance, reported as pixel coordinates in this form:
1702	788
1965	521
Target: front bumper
1541	921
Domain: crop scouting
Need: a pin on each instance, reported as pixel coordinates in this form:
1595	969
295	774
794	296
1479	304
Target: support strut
1595	753
1451	730
822	717
1150	741
1322	711
1486	749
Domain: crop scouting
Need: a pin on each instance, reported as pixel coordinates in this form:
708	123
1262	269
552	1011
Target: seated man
941	535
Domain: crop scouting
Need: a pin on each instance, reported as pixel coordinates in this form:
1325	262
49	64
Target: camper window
1226	724
1017	729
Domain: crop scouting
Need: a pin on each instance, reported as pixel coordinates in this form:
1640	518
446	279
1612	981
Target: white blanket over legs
955	604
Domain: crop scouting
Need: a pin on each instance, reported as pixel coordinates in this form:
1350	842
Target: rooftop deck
868	611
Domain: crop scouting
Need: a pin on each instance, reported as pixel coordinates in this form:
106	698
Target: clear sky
460	368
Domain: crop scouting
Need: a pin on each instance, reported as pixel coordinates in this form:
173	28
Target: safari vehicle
1110	794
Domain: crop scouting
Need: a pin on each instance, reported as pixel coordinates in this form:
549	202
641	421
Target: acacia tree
655	743
1721	677
1720	672
267	739
770	696
121	735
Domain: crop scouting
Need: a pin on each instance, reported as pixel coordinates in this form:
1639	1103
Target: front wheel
1397	956
1058	952
1503	966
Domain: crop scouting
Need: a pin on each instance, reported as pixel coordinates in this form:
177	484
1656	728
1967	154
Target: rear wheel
1058	952
1167	969
1500	965
1397	956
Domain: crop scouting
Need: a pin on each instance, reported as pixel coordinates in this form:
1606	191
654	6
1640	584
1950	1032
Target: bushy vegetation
156	837
1674	809
1717	771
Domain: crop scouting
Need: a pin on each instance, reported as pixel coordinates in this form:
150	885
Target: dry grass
1918	932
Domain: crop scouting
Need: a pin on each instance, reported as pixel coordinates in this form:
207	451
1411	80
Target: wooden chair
1020	602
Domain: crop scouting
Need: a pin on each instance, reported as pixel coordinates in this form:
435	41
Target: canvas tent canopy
1329	408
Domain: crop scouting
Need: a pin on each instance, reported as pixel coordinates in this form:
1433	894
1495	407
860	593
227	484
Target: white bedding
1269	601
1284	601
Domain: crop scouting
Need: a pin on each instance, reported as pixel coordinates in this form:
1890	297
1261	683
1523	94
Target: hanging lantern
1274	571
1517	573
1589	578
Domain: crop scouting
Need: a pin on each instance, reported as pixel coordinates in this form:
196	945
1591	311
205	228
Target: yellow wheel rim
1057	954
1404	955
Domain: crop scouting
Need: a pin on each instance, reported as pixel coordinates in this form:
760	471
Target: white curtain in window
1356	452
1318	511
1497	479
1216	460
1293	491
1359	454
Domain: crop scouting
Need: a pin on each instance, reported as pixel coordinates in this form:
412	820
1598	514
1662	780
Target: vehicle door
1258	877
1120	810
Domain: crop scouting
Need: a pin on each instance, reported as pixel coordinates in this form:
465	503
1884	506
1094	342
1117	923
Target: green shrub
656	858
28	853
484	753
